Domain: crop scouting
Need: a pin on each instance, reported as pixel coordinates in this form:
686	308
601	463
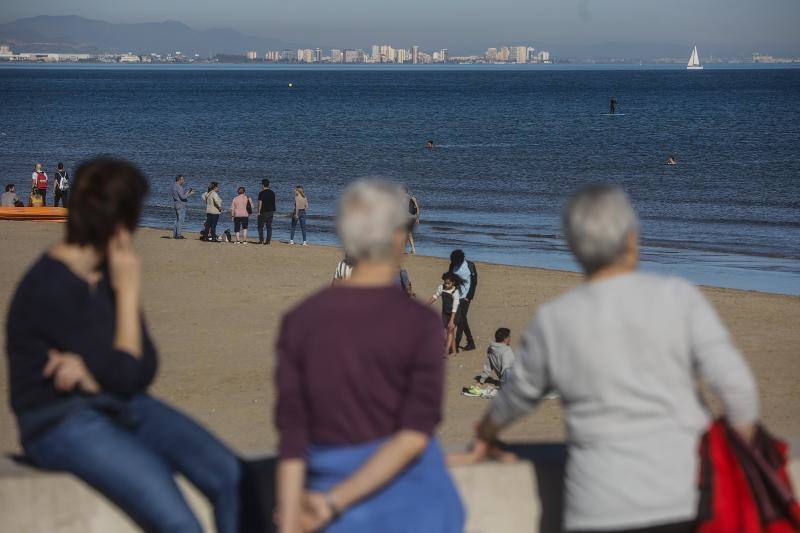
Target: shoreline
647	265
214	313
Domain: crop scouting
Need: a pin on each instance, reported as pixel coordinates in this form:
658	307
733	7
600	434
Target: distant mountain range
78	34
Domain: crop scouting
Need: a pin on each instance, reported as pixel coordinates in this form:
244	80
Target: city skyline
471	27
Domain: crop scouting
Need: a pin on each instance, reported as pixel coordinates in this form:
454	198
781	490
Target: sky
469	25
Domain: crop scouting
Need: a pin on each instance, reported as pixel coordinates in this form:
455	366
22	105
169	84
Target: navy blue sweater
54	308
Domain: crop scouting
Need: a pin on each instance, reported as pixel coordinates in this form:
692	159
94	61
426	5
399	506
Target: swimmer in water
672	160
429	145
612	105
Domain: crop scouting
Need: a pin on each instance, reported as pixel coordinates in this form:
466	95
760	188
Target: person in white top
213	209
39	182
624	350
448	292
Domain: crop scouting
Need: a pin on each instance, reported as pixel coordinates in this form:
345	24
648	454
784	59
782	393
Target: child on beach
448	293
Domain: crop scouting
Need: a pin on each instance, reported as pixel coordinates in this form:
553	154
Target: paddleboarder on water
612	105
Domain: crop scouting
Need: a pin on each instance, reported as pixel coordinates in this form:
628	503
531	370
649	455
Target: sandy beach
214	311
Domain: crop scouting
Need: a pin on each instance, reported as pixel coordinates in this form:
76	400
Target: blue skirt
421	498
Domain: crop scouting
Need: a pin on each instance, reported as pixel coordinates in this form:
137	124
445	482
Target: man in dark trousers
266	211
466	271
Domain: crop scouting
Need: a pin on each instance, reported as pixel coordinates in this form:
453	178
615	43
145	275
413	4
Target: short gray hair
371	211
597	222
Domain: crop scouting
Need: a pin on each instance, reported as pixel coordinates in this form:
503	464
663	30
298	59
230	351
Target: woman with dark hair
81	360
448	292
213	209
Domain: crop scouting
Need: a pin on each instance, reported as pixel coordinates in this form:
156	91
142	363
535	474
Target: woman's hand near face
124	265
69	372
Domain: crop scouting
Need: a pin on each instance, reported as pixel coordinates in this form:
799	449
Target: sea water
510	146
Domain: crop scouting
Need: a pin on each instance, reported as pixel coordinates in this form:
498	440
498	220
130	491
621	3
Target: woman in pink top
241	207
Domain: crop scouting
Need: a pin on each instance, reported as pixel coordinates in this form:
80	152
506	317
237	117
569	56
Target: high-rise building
273	55
252	55
503	54
318	55
336	55
288	55
401	55
518	54
490	55
531	53
353	56
543	56
443	55
375	53
415	54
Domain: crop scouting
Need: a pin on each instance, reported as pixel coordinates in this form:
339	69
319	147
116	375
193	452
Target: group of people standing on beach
40	182
241	208
359	394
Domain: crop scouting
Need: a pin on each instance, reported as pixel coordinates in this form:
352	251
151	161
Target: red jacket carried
745	488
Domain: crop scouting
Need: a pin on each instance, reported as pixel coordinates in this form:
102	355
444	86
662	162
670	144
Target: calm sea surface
511	145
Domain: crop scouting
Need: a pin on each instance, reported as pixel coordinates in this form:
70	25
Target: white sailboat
694	61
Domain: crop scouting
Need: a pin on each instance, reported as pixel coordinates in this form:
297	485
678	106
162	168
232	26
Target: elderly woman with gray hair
624	350
360	376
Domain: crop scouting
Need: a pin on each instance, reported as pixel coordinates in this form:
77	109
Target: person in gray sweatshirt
624	350
499	357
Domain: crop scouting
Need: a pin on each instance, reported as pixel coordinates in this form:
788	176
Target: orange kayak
43	214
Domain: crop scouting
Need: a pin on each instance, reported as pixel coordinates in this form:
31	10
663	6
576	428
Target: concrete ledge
520	497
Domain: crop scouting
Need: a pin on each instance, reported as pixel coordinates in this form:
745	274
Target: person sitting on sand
448	293
499	357
9	198
672	160
35	199
343	270
360	392
81	360
241	208
624	350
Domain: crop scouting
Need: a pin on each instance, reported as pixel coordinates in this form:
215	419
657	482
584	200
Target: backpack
63	181
41	180
249	207
412	206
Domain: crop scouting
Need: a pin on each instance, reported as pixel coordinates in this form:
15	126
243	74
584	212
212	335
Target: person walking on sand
266	212
448	293
61	186
414	211
299	213
39	183
241	209
213	209
81	361
466	271
360	392
179	200
624	350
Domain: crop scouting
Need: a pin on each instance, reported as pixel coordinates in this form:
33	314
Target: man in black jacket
266	211
465	270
